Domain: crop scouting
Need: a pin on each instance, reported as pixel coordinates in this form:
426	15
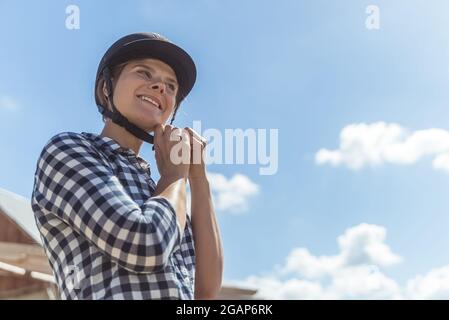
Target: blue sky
306	68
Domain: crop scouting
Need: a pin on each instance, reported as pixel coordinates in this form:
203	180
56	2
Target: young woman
109	231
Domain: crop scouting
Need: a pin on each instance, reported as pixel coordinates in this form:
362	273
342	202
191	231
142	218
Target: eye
146	73
172	87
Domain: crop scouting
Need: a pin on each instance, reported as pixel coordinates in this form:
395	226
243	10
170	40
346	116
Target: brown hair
115	74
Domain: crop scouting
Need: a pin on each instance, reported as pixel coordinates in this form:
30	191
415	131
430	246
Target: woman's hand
172	151
197	166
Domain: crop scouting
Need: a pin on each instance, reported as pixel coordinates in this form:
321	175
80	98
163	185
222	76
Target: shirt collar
102	142
108	144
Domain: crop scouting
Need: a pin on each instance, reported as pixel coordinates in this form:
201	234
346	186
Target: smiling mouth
150	101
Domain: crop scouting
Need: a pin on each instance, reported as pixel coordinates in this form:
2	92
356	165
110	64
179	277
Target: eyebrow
152	70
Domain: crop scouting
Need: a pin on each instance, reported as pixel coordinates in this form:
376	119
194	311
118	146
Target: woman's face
145	92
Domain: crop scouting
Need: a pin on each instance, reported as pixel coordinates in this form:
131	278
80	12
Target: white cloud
441	162
8	103
233	194
306	265
270	287
378	143
355	272
362	245
433	285
363	282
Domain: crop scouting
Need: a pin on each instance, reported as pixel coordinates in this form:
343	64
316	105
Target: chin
150	124
148	120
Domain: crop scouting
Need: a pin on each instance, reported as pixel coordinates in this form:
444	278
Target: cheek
124	94
170	108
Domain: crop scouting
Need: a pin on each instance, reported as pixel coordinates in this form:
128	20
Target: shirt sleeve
75	184
188	247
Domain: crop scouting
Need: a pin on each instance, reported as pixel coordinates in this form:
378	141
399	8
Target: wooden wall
12	284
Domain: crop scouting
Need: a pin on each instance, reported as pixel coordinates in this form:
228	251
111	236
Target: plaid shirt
104	233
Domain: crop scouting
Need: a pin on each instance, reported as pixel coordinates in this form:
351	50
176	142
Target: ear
105	90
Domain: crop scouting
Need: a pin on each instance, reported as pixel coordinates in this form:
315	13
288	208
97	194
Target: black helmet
140	46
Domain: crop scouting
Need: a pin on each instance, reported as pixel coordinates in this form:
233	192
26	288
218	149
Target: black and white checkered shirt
104	233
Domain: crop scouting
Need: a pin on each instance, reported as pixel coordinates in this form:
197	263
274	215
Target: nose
158	86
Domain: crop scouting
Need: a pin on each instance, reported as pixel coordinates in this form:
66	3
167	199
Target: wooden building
24	268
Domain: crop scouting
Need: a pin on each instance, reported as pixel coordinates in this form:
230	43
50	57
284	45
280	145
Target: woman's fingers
158	133
195	140
166	139
197	148
167	131
194	134
176	134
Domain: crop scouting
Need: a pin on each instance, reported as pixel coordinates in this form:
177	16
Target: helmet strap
117	117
